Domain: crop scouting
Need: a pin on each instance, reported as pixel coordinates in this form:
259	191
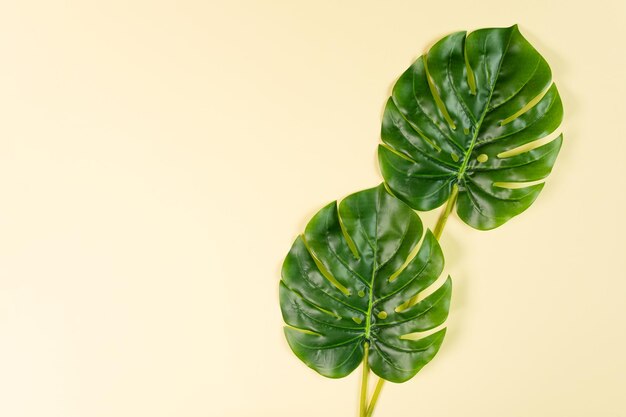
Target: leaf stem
443	217
364	377
379	387
441	224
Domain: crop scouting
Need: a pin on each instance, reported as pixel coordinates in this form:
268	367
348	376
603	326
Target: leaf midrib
468	153
370	302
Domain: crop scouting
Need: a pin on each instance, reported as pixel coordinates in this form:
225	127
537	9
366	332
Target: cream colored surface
157	159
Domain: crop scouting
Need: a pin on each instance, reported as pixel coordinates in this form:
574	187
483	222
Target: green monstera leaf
467	120
349	284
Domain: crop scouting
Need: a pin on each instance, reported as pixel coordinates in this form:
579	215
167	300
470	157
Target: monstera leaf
349	284
468	117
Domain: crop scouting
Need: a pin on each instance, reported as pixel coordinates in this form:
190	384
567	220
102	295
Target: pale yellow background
158	158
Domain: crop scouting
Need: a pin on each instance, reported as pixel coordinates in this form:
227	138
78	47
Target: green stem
441	224
379	387
364	377
443	217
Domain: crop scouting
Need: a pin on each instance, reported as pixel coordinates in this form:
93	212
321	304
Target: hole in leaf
427	140
347	237
526	107
435	93
330	313
408	260
529	146
400	154
312	304
471	81
422	294
421	335
305	331
516	185
324	271
403	306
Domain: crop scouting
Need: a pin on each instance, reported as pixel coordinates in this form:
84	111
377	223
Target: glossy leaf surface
344	282
469	113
